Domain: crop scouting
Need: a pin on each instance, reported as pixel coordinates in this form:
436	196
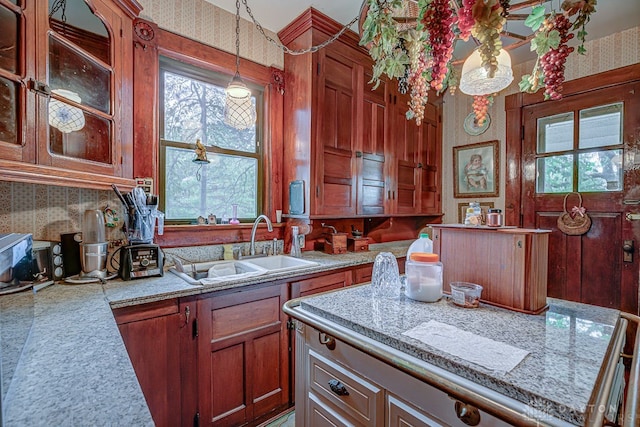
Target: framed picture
462	210
475	170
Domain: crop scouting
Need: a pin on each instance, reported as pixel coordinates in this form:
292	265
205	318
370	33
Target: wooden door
370	159
243	360
405	144
429	161
335	189
588	143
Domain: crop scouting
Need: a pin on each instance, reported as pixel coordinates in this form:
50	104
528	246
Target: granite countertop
74	368
566	344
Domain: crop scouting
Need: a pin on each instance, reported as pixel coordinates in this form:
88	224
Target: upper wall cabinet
351	145
65	92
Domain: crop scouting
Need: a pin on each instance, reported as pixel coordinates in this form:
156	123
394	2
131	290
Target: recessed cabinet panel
9	53
228	385
73	71
9	106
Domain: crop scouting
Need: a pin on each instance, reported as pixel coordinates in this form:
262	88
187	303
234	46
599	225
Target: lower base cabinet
339	385
243	358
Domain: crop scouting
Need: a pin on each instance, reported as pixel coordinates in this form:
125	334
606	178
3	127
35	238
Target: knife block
335	243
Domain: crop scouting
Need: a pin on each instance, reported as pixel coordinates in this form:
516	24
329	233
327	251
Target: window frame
575	151
222	80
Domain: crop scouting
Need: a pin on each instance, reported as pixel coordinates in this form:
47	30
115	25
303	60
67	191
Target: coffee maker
94	246
141	257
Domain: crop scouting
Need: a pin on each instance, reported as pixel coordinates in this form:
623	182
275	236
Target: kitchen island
359	365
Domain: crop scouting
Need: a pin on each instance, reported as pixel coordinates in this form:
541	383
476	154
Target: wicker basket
576	224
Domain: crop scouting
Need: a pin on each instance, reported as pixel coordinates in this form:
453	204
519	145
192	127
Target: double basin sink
206	273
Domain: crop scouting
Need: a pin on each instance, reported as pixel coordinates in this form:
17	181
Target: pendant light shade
65	117
239	111
475	79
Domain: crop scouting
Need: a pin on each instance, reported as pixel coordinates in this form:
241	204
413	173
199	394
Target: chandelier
413	41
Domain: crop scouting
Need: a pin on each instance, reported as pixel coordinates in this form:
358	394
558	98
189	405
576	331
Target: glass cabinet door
80	77
12	92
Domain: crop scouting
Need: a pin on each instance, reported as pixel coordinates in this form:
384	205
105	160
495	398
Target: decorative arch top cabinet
347	142
66	92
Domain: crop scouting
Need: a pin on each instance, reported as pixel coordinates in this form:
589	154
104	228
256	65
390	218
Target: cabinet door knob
419	165
327	340
468	414
358	153
338	388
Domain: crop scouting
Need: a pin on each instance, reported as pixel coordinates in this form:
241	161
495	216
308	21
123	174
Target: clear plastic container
424	277
465	294
423	245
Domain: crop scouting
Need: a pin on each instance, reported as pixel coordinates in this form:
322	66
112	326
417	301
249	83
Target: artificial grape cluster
487	30
439	20
419	86
480	106
403	81
465	19
553	61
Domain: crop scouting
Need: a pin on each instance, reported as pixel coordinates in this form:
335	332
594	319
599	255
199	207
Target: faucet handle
274	246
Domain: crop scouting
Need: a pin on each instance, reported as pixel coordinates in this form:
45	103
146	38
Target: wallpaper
209	24
615	51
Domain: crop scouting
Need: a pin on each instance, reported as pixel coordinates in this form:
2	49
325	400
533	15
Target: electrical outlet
301	240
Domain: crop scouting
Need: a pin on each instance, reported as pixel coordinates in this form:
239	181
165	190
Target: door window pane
600	171
225	181
555	133
554	174
9	51
601	126
71	70
195	110
9	111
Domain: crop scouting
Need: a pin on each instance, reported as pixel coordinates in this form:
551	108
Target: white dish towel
486	352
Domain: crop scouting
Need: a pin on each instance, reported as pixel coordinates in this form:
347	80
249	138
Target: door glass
9	106
9	51
601	126
90	142
73	20
72	71
554	174
555	133
600	171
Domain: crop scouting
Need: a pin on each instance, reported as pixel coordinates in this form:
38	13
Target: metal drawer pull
338	388
327	340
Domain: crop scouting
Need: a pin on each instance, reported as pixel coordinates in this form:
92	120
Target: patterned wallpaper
209	24
607	53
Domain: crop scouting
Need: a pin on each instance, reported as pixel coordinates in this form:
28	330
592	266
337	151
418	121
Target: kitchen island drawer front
402	414
321	414
346	390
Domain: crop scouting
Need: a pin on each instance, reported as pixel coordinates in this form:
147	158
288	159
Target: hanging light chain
57	5
237	36
297	51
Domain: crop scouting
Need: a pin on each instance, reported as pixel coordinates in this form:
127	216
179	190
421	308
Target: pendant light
239	111
475	79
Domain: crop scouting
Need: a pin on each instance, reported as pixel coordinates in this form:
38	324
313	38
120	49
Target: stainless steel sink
206	273
278	263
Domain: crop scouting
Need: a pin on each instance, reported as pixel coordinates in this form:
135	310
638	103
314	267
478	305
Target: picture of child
475	173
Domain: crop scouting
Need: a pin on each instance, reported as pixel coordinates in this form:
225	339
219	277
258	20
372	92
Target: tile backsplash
46	211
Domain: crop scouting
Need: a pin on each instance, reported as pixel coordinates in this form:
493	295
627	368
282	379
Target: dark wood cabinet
243	362
351	144
152	333
65	94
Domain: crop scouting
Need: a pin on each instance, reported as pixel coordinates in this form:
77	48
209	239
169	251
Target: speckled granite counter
74	369
566	344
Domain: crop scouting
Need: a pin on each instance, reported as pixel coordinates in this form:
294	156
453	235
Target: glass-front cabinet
66	102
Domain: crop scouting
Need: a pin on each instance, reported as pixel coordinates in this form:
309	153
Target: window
586	157
192	108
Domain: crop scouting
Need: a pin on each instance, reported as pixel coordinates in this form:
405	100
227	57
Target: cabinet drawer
352	394
324	283
320	414
362	274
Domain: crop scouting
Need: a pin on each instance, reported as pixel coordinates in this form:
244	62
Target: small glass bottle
234	212
295	243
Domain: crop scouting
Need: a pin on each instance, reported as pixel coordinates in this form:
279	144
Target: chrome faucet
252	245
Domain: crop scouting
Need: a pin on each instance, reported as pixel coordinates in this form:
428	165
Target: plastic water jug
424	244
